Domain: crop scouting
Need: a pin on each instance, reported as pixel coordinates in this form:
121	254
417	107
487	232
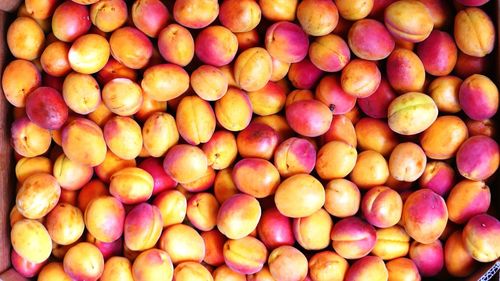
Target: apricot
484	127
202	209
152	264
299	196
65	224
374	134
352	238
256	177
28	139
360	78
214	244
253	69
84	261
25	38
114	69
131	47
443	138
209	82
185	163
368	267
182	243
477	44
327	265
149	16
54	59
143	226
382	207
131	185
458	262
280	68
81	93
172	205
238	216
53	271
246	255
111	165
192	271
341	129
438	53
159	133
298	95
408	20
370	170
444	91
122	96
225	273
176	44
438	176
268	100
405	71
370	40
71	175
429	258
317	17
100	115
288	264
221	150
108	15
402	269
117	268
28	166
24	267
123	136
422	223
354	10
278	10
89	53
330	92
108	250
239	16
91	190
257	140
31	240
165	82
279	38
263	275
46	108
224	186
216	45
37	196
479	236
478	97
104	218
195	13
407	162
295	156
315	123
162	181
477	158
335	159
313	232
411	113
469	65
275	229
195	120
392	242
467	199
19	79
342	198
329	53
234	110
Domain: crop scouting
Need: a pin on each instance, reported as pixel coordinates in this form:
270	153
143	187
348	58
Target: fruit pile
252	140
